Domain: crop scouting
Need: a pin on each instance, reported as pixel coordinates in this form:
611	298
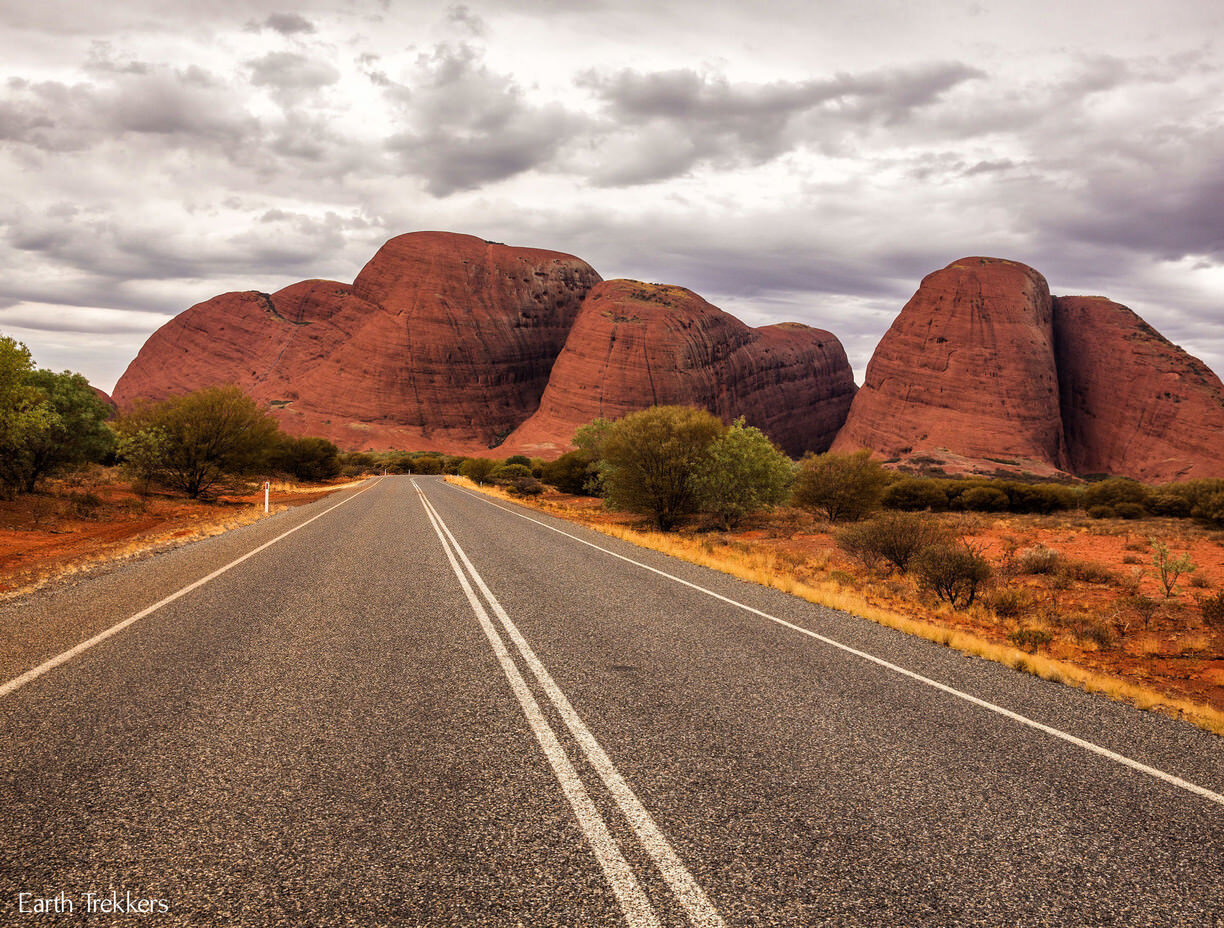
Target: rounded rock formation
1133	403
442	342
965	377
635	345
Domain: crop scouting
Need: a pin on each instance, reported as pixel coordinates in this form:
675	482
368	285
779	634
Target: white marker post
267	487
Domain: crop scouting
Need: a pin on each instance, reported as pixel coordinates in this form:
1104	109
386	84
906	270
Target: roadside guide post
267	487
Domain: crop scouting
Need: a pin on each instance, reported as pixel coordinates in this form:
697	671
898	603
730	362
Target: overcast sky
800	160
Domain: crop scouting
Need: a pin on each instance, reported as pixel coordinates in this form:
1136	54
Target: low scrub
891	539
953	572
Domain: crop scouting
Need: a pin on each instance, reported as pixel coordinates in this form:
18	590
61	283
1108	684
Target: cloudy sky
786	159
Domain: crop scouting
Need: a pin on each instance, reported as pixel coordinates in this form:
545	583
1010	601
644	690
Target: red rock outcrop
966	375
1133	403
443	341
634	345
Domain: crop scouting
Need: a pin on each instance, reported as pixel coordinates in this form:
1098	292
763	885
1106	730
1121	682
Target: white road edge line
688	893
638	911
52	663
943	687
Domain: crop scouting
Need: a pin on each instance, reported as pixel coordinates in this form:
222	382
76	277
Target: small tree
208	434
142	452
954	572
25	415
650	460
1170	567
76	433
845	487
896	538
308	458
477	469
572	472
744	472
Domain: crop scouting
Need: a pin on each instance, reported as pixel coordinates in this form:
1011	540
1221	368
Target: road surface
409	705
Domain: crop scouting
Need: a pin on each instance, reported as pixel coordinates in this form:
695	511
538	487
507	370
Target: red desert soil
70	527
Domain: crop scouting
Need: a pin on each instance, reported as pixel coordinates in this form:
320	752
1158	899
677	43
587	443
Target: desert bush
1029	639
1210	510
207	435
307	458
1009	602
523	486
984	499
1125	510
650	459
571	473
891	538
844	487
1038	560
1101	512
1212	609
504	474
1165	503
743	472
1043	498
1088	628
519	459
914	494
1116	490
1144	607
1169	566
478	470
427	464
954	572
1090	572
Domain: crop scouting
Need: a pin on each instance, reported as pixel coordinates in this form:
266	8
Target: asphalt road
422	707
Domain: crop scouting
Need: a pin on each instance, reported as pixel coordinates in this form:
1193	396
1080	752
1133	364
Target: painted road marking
943	687
691	897
23	679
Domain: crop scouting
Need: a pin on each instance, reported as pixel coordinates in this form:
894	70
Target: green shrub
1129	511
650	459
1030	639
843	487
984	499
571	473
744	472
1038	560
915	494
1165	503
519	459
954	572
1101	512
892	538
1116	490
1009	602
478	470
523	486
505	473
308	458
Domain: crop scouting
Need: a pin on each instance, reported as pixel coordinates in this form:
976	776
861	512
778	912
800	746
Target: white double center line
633	901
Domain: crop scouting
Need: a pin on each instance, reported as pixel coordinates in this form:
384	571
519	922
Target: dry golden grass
764	567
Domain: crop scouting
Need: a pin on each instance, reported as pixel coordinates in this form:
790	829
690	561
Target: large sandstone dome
635	345
442	342
447	342
984	371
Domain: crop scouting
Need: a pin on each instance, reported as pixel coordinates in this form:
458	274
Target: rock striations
983	371
634	345
442	342
1132	402
967	368
447	342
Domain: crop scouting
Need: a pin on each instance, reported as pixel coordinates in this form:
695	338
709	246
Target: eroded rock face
1133	403
966	374
635	345
442	342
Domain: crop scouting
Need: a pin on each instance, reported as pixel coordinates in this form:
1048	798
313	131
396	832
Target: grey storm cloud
465	125
676	119
56	116
285	23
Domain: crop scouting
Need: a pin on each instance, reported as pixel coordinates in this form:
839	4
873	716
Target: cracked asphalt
323	735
